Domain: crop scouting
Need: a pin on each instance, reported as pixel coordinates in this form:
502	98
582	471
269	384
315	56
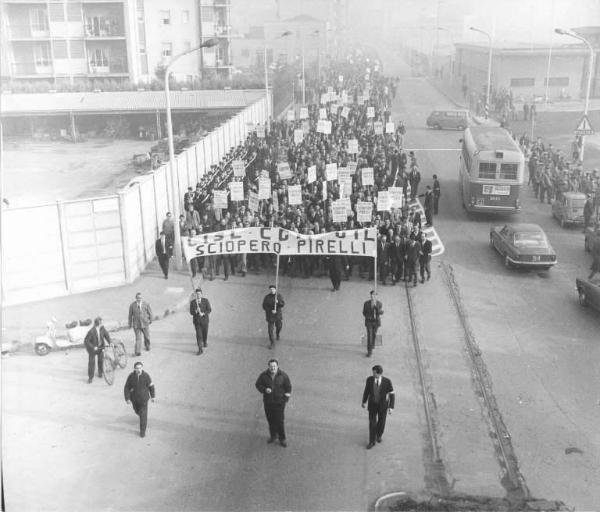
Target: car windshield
531	239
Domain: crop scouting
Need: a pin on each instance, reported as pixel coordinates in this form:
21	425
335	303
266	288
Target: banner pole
276	281
375	272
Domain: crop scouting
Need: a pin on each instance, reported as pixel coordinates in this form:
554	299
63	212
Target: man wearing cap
372	311
273	304
200	310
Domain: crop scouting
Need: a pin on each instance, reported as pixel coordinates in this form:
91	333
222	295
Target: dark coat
279	385
160	253
139	389
204	307
386	391
269	304
373	315
91	341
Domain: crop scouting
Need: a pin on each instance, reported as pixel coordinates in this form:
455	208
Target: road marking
431	149
437	246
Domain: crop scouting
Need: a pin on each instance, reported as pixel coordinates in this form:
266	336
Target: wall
75	246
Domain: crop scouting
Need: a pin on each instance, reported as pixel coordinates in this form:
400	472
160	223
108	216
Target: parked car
523	245
569	208
449	119
589	291
592	236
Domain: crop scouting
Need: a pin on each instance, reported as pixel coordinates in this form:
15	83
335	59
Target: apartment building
123	40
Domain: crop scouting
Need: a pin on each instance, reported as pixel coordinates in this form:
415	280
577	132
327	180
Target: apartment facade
123	40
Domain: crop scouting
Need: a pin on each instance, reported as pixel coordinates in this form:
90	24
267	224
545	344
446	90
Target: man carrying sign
273	304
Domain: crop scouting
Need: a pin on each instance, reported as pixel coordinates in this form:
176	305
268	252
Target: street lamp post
570	33
174	195
489	73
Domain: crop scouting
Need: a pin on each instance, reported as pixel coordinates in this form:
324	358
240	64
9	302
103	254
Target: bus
492	169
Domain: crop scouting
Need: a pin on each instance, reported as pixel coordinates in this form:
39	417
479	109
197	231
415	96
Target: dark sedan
589	291
523	245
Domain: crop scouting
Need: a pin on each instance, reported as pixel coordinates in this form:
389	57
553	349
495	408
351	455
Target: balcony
222	30
28	32
115	67
104	28
41	68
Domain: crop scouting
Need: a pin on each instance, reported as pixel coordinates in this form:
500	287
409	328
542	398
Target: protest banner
277	240
260	131
370	112
303	112
239	168
364	211
298	135
324	98
322	113
220	199
338	211
367	176
291	115
285	173
236	188
264	188
312	174
396	197
353	146
331	171
383	201
378	127
253	201
389	127
295	194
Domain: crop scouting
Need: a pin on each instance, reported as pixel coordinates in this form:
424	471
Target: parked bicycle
115	356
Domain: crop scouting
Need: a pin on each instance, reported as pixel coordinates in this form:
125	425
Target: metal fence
69	247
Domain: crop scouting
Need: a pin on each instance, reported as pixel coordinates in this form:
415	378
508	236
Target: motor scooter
74	338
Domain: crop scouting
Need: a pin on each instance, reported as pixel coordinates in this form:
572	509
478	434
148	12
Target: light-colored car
523	245
449	119
569	208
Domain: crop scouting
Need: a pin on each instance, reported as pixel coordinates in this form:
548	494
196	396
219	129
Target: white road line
437	246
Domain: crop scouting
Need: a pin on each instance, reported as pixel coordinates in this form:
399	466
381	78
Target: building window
165	17
60	49
98	58
76	49
38	20
73	11
167	49
558	81
142	50
185	16
41	55
207	14
522	82
57	11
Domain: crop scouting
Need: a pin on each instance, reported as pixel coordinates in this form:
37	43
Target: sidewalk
23	322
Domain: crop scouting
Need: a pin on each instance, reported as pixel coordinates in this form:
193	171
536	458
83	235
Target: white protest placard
285	173
312	174
383	201
322	113
333	108
331	171
345	181
236	188
291	115
298	135
295	194
346	202
338	211
352	168
238	168
396	197
367	176
329	89
324	98
324	126
343	174
353	146
260	131
264	188
340	78
303	112
389	127
275	199
378	127
253	201
364	211
264	174
370	112
220	199
345	112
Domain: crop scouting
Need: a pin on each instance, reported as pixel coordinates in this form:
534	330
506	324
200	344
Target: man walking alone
273	304
139	388
140	318
276	388
379	395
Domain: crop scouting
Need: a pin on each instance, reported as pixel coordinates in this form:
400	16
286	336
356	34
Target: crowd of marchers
403	249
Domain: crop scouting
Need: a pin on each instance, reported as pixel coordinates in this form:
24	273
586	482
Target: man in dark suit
164	251
379	395
372	311
273	304
139	388
383	256
140	318
200	310
94	344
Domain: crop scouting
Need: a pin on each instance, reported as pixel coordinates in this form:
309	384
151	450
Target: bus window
487	170
508	171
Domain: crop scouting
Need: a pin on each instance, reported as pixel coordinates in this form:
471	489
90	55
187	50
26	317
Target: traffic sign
584	127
